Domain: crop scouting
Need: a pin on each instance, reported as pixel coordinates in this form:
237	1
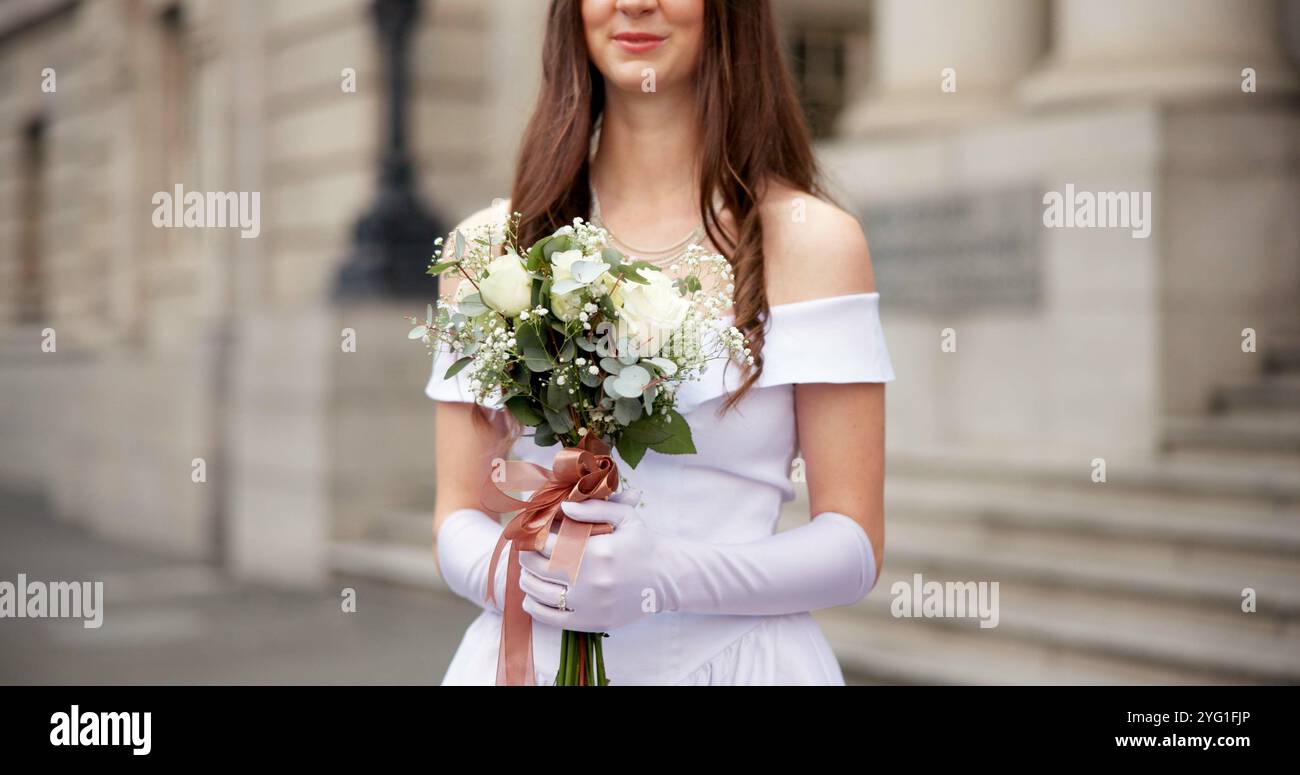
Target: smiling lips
639	42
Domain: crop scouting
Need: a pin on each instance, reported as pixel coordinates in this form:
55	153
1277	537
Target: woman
668	122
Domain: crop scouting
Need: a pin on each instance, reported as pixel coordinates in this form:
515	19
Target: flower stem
582	660
601	680
564	658
571	674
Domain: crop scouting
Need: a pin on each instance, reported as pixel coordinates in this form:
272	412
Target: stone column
978	51
1107	49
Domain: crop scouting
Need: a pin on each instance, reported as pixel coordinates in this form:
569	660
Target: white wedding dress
731	491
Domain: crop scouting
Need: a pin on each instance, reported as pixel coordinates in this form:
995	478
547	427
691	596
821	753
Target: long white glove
465	543
635	571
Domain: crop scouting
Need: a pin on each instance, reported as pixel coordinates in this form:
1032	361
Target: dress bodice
732	489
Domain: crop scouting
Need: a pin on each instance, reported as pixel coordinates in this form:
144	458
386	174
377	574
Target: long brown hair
749	119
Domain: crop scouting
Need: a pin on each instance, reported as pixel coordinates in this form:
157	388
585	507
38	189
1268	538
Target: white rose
507	288
651	312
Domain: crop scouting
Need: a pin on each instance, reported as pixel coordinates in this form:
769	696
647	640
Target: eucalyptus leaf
560	422
627	410
558	396
543	436
649	396
631	381
461	247
666	366
530	343
417	332
554	244
611	365
457	367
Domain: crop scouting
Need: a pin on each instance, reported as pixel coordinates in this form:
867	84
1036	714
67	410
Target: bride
670	122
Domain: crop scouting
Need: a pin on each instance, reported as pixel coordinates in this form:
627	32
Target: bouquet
587	348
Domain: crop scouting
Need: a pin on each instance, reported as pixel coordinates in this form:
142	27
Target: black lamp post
393	241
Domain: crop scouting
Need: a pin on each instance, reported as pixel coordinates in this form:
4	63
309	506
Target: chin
628	73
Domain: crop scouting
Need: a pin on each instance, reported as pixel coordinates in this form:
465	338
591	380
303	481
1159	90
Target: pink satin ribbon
581	473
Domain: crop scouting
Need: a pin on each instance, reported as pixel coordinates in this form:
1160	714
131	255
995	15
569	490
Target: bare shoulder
493	215
812	248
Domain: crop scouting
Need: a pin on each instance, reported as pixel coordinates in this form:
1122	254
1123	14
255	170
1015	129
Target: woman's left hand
618	581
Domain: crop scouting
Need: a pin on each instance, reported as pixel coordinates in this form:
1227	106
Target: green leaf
648	430
440	267
631	276
544	436
679	441
530	343
461	247
525	410
560	422
630	449
554	244
536	260
558	396
457	367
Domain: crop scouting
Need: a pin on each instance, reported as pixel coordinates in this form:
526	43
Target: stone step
1101	511
1140	569
1216	475
918	654
912	651
1279	392
1225	641
1267	433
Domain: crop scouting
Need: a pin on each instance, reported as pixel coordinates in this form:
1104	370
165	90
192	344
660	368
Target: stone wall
184	344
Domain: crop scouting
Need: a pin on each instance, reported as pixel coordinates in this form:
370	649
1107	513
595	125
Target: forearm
825	563
465	541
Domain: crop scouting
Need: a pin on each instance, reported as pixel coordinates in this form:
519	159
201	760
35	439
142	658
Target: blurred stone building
135	360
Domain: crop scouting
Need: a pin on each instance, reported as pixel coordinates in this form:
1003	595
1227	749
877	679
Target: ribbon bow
585	472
